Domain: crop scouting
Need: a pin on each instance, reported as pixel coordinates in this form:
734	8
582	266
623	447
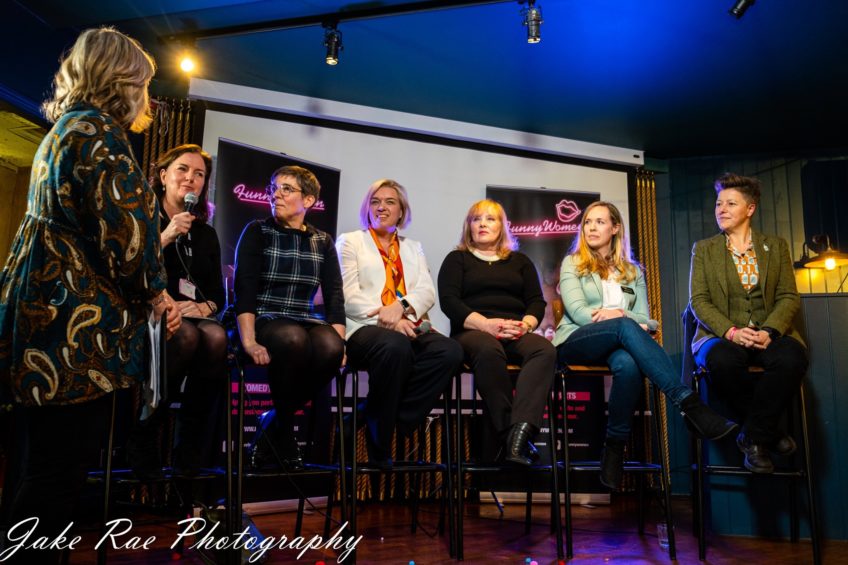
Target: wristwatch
405	303
773	333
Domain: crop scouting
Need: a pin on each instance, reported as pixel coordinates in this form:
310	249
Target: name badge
627	290
187	289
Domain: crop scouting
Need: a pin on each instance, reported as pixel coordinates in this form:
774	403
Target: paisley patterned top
84	262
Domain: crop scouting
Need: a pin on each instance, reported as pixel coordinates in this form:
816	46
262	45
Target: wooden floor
603	534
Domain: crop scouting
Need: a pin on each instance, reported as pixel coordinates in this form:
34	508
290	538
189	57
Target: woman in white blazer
388	291
605	321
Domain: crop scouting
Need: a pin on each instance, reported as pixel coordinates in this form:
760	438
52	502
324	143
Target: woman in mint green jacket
605	321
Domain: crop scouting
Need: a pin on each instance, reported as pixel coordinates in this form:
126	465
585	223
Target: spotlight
185	53
533	21
187	64
740	7
333	43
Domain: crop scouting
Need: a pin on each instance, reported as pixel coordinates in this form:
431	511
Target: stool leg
298	524
107	478
331	500
446	431
528	504
460	447
566	466
353	478
552	422
808	472
672	550
700	486
341	379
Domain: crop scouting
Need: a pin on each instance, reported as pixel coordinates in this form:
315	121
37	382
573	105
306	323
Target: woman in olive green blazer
742	292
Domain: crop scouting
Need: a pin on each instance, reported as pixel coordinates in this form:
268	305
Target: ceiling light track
378	11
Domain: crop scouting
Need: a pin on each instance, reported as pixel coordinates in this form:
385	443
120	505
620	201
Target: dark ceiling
671	77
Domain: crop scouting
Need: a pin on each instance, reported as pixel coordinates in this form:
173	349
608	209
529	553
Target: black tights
304	358
198	349
198	352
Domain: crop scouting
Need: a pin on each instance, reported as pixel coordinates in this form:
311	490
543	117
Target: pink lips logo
567	211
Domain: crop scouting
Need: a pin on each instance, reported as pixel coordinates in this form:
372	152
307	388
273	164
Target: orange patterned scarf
394	285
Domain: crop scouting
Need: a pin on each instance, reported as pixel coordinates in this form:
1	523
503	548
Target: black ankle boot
701	419
516	443
260	452
612	463
292	458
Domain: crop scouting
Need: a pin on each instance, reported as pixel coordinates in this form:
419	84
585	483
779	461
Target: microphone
422	328
189	202
653	326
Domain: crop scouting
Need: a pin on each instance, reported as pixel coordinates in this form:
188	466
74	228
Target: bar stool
235	469
463	467
642	467
412	468
701	469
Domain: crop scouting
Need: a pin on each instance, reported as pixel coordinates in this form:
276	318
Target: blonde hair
403	199
588	261
506	242
109	71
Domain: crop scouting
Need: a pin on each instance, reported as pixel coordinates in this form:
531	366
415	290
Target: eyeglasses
286	189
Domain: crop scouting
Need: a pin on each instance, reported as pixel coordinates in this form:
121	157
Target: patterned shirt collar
733	250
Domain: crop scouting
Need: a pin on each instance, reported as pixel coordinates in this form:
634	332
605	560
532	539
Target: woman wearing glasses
280	263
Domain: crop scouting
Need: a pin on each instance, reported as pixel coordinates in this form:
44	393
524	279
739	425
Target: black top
508	288
201	253
279	270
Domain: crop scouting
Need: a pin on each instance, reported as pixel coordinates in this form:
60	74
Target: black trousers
759	399
488	358
60	444
405	377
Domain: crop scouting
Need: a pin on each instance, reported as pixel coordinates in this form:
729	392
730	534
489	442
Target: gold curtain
646	214
172	121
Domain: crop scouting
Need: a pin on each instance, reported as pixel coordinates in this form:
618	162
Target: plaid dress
279	271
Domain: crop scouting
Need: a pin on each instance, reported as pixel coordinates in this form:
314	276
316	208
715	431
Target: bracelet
527	325
158	300
212	307
732	333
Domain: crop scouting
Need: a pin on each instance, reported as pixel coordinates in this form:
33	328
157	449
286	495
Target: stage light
828	258
187	64
533	20
333	43
740	7
185	54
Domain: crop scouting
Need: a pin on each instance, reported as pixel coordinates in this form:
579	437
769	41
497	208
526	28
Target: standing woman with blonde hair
492	295
605	321
83	271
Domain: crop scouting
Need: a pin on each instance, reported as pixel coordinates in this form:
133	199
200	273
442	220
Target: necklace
490	259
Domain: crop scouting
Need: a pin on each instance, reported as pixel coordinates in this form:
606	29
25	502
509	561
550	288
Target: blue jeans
630	352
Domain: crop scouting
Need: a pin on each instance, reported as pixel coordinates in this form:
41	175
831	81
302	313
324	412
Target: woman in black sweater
197	351
491	294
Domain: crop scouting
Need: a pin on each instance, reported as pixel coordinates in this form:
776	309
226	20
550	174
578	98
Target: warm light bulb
829	264
187	64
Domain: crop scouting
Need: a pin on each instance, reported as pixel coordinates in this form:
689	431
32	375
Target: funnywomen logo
567	211
243	193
